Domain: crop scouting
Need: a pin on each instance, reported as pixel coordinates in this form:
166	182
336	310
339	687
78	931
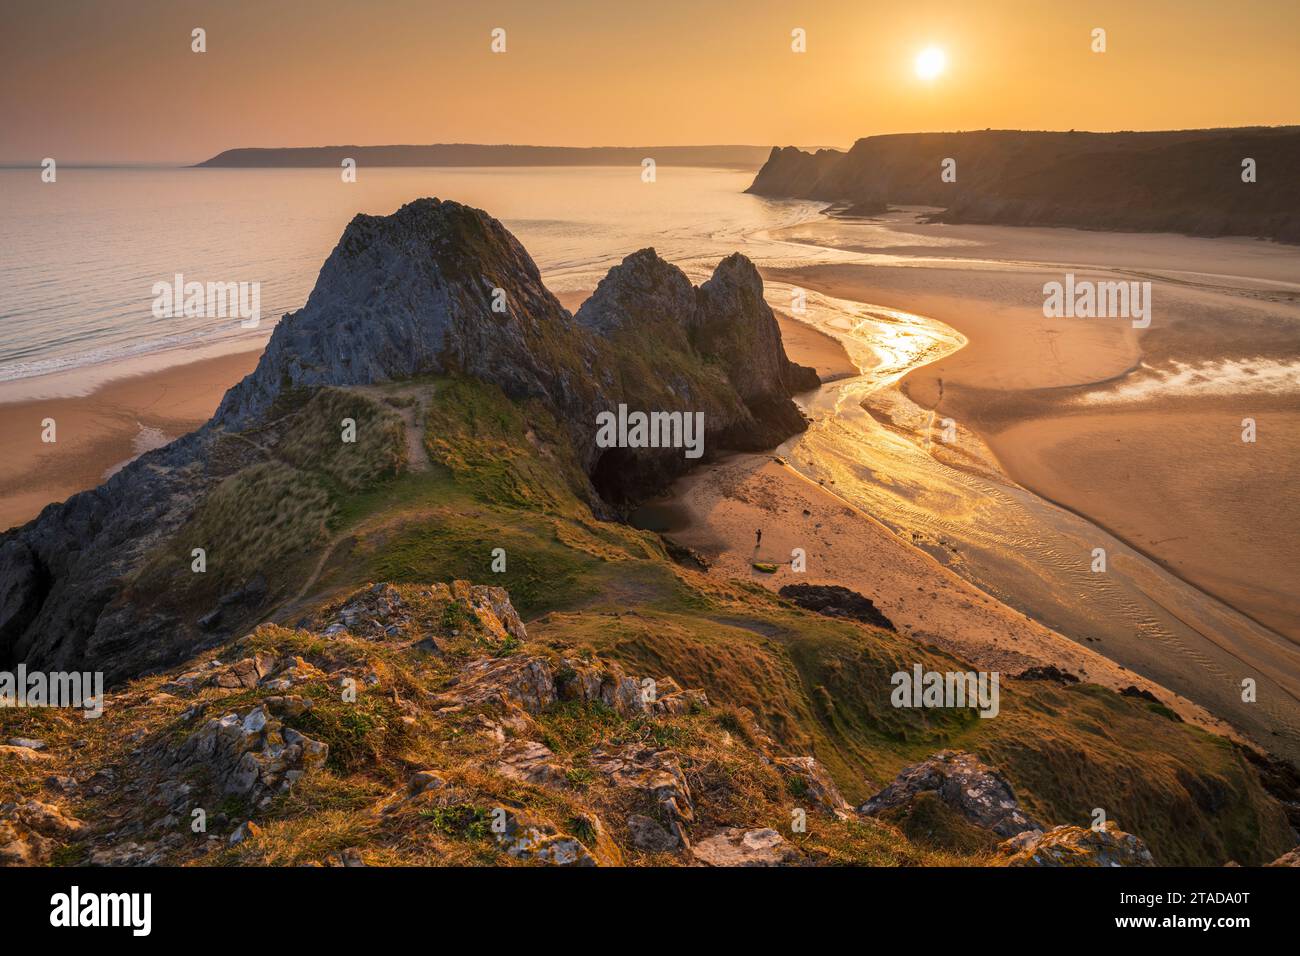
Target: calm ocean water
79	257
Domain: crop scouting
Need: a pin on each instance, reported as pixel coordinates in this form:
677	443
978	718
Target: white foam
1185	380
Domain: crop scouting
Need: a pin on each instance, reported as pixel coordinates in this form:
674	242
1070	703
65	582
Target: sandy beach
719	508
1137	429
100	432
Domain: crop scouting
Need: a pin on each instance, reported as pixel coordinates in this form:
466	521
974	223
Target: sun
930	62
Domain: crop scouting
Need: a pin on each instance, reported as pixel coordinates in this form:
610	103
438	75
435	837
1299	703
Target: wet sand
953	551
815	349
717	509
99	432
1177	482
1138	430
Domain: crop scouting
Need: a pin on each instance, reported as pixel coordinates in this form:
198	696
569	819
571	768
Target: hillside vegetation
466	716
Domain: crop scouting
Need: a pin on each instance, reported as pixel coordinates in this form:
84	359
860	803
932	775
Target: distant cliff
471	154
1187	181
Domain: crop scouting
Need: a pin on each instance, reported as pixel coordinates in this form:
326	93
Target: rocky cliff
1186	181
435	289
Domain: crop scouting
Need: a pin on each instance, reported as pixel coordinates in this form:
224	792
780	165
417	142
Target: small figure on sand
758	538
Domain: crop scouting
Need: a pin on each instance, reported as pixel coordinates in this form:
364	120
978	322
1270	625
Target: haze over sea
79	257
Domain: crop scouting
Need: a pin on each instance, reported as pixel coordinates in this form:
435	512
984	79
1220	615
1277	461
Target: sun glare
930	63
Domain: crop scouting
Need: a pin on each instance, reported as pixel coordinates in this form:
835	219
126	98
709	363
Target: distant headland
471	154
1211	182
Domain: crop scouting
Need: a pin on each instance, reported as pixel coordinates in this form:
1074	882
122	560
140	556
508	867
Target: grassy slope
284	488
816	685
500	478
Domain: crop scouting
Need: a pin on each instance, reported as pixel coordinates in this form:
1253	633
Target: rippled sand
1161	481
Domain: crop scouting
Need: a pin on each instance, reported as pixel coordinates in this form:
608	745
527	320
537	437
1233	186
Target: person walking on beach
758	538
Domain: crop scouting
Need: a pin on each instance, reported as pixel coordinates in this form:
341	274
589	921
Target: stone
649	836
1047	672
813	784
974	790
23	754
248	830
287	706
1076	846
657	773
253	755
528	682
834	601
31	831
531	762
1290	858
738	847
525	838
425	780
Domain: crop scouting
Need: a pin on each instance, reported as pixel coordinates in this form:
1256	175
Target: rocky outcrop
659	328
410	294
484	746
31	831
809	781
380	613
436	287
1047	672
734	327
648	836
657	773
1076	846
1288	859
62	575
534	683
252	756
789	171
977	792
536	841
835	601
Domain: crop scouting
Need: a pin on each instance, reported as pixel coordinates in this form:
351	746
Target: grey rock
27	742
976	791
648	835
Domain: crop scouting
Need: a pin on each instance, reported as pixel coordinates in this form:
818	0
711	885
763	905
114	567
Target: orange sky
115	81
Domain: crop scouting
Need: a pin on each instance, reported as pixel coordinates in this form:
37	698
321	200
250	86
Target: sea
80	256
